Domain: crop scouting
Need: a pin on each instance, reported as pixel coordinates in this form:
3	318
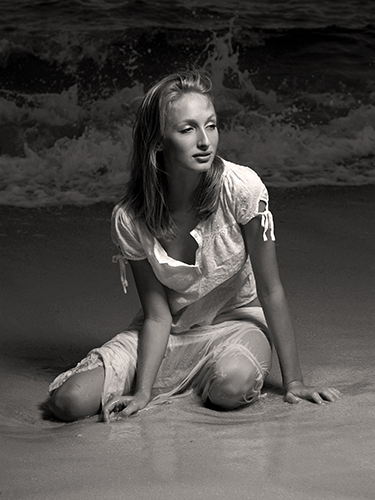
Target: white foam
76	151
288	155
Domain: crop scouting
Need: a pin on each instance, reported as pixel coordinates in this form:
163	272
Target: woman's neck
182	192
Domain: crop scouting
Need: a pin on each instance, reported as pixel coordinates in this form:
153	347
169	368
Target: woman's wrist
145	393
292	383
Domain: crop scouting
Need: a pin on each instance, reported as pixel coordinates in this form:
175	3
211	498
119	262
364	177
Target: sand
61	295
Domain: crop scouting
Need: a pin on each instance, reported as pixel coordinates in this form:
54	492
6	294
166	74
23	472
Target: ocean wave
86	168
65	124
35	16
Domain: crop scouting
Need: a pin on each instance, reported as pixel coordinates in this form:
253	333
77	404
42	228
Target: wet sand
61	295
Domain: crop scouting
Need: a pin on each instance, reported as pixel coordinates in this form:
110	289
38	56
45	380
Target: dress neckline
175	262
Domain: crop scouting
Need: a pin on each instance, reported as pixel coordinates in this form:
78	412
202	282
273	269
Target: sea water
294	89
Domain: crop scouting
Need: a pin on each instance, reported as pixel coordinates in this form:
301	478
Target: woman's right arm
153	340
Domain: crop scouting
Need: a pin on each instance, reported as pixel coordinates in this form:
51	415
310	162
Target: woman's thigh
250	336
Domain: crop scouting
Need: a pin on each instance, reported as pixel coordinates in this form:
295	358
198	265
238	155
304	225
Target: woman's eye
186	130
212	126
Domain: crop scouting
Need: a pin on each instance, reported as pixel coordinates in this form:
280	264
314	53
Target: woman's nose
203	140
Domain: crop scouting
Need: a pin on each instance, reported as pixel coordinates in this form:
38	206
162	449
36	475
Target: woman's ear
159	147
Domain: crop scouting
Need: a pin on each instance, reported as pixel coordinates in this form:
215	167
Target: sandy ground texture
61	295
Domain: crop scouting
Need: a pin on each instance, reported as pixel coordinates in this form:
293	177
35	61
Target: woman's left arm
275	306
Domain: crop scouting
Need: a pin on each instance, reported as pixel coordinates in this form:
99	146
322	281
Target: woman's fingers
115	405
291	398
130	409
318	396
124	406
331	394
315	396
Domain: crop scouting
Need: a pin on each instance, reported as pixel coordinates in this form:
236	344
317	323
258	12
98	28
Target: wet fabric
190	360
211	323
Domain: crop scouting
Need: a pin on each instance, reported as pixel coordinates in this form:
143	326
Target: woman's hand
296	390
124	406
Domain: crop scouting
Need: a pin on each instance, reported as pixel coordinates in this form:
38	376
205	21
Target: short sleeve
125	234
244	190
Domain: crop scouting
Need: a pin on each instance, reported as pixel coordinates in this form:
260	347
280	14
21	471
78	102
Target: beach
61	295
294	90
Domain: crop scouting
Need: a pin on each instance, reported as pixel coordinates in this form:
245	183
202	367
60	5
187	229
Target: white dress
207	299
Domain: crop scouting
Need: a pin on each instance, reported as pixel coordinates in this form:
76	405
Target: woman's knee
78	397
65	403
236	381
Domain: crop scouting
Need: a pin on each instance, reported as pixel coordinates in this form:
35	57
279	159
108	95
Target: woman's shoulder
121	210
123	217
240	177
126	232
242	192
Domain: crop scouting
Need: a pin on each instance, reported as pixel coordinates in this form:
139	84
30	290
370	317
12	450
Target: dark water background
294	89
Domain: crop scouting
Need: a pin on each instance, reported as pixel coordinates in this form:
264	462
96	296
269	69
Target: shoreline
61	295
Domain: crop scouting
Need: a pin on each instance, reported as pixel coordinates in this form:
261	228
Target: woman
188	225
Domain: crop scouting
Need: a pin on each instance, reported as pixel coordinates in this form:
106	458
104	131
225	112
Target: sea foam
72	146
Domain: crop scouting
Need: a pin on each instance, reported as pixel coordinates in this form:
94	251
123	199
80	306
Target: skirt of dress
189	360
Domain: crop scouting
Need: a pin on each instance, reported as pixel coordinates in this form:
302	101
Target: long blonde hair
147	190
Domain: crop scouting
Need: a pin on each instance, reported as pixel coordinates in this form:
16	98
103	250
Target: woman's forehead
190	104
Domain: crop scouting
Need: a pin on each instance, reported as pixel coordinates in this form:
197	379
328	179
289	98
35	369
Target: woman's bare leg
235	374
79	396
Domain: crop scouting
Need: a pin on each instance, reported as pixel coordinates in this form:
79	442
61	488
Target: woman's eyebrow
193	120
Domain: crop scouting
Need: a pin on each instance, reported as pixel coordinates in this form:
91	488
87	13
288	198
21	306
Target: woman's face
191	136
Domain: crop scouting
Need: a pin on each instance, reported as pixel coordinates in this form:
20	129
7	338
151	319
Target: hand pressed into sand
297	390
124	406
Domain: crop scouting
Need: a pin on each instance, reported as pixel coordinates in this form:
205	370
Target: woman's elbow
271	292
163	319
